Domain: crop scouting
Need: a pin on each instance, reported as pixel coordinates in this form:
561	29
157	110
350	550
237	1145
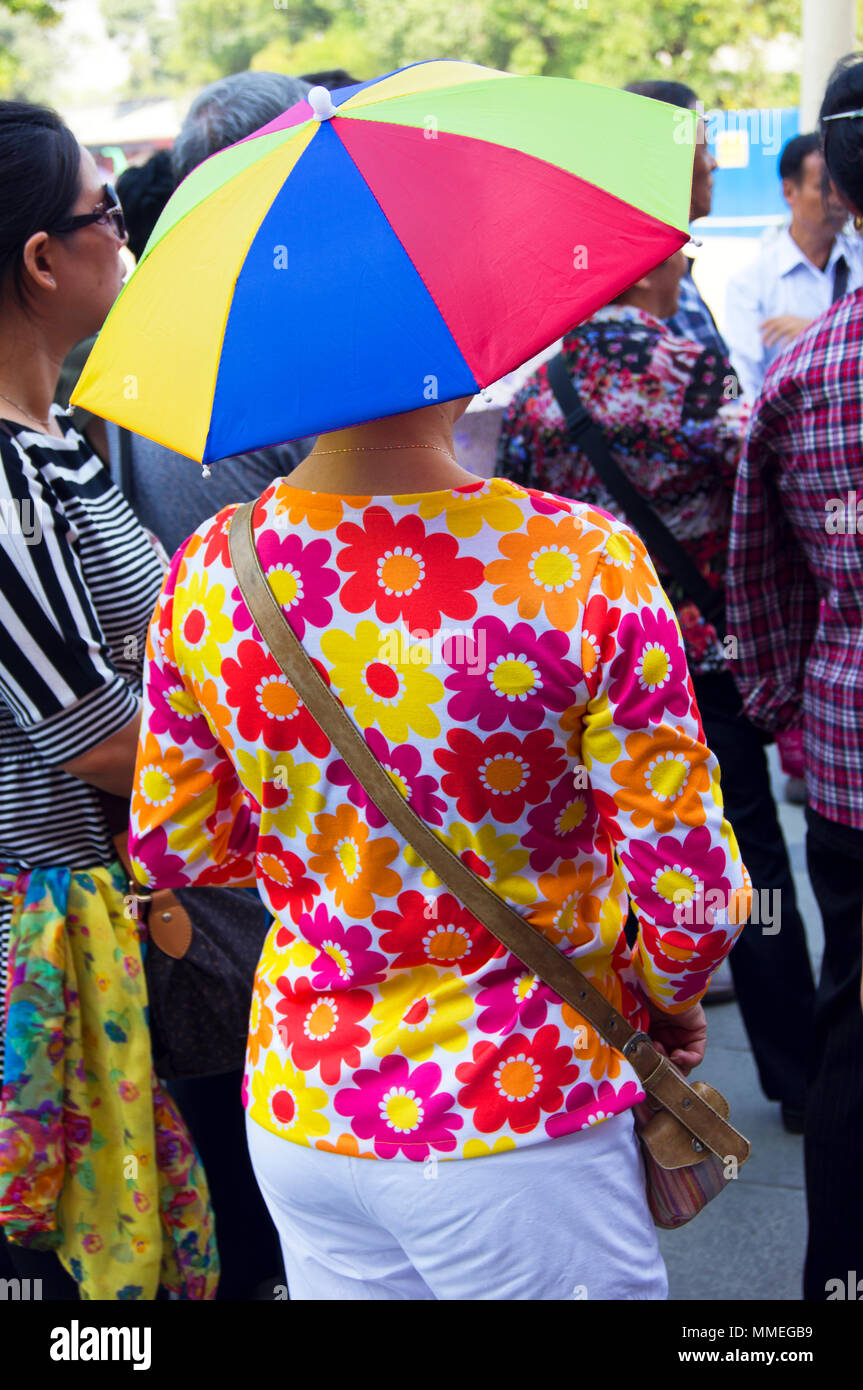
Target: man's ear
789	188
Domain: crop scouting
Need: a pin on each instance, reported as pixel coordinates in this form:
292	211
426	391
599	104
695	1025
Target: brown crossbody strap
660	1079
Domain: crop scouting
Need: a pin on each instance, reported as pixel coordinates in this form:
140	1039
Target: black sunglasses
108	211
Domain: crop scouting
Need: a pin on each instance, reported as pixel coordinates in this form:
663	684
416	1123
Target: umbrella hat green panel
638	149
330	322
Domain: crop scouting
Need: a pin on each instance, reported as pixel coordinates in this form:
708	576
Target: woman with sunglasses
94	1161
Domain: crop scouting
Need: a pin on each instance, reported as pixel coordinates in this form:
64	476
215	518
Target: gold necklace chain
36	418
375	448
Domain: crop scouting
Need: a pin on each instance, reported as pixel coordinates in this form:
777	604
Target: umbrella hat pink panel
408	240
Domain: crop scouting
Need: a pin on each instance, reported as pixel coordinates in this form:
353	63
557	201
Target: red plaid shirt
795	582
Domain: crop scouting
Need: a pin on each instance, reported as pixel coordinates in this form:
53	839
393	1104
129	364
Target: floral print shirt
514	663
660	401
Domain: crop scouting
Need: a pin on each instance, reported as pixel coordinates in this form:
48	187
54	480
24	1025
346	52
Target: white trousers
564	1219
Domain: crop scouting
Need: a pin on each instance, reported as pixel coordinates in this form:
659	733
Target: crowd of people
194	1070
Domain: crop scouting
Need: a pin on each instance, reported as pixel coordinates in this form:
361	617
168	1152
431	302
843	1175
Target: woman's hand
682	1038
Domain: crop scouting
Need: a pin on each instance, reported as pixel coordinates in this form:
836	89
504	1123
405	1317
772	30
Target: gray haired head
230	109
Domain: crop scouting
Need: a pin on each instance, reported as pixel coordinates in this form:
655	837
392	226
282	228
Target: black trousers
833	1142
771	969
249	1250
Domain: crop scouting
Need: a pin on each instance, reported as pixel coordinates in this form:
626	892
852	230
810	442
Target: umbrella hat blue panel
330	324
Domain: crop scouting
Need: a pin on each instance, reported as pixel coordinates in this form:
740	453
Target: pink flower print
648	677
405	762
584	1107
682	868
563	827
505	675
512	997
299	577
344	959
400	1109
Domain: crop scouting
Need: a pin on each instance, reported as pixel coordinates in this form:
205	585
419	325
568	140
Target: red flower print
216	539
500	775
405	573
283	878
404	762
401	1109
268	708
511	1084
322	1029
435	930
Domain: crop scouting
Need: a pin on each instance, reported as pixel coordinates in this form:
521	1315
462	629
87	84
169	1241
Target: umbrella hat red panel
385	252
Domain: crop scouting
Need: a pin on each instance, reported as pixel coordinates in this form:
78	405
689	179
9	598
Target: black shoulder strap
661	544
125	478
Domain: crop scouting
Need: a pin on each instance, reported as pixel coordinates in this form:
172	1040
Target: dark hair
144	189
332	79
842	141
793	154
672	93
40	175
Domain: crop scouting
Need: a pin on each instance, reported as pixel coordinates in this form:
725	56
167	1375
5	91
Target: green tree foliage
27	54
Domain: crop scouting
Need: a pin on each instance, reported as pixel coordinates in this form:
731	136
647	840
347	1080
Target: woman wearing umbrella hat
511	660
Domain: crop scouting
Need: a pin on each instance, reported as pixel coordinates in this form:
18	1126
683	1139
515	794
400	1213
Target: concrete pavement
749	1243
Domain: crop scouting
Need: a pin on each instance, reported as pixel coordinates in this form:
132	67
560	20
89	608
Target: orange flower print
623	569
572	901
346	1144
163	782
295	506
217	716
665	780
260	1022
352	863
587	1045
543	569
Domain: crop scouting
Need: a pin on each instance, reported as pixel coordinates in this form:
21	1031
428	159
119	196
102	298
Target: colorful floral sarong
95	1160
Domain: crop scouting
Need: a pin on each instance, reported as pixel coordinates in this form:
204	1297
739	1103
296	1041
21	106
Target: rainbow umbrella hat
405	240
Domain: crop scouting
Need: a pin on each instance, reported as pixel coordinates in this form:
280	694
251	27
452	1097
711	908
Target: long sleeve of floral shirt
514	663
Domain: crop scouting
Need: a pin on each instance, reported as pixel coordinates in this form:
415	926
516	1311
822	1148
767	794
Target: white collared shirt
781	280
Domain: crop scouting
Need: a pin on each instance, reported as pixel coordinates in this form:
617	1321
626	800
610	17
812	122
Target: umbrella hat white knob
321	103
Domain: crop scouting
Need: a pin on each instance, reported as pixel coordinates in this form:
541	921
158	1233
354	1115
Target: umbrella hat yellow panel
421	77
153	367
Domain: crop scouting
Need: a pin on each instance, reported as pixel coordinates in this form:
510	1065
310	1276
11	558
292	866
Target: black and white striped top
79	579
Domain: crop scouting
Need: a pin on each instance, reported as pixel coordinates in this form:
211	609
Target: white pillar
829	32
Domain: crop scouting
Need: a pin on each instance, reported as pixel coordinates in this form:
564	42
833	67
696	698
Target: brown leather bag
691	1127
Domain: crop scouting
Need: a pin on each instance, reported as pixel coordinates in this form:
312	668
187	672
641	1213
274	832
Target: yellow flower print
494	857
466	511
419	1010
283	789
285	1105
282	949
623	569
597	740
475	1148
202	629
384	682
